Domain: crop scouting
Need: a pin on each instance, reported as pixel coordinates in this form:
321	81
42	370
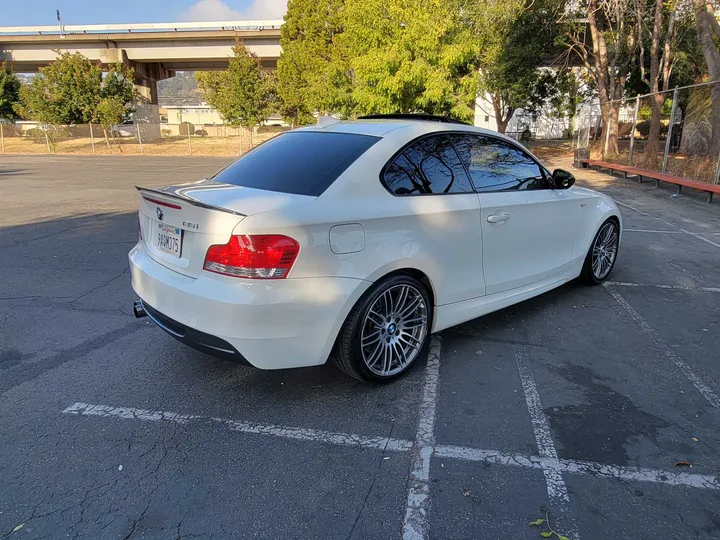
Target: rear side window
303	163
428	166
496	165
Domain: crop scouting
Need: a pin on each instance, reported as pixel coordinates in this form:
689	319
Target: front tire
386	332
602	254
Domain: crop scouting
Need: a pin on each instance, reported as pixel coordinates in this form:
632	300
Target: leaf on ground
16	529
466	492
695	439
683	464
537	522
546	534
561	537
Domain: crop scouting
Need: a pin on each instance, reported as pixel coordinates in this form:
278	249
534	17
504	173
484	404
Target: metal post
2	138
670	129
92	139
139	136
189	142
632	133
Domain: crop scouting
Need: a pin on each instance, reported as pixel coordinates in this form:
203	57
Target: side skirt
460	312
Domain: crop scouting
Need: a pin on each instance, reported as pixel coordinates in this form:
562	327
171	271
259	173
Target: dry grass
551	149
700	168
167	146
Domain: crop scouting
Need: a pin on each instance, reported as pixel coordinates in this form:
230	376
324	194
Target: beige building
195	114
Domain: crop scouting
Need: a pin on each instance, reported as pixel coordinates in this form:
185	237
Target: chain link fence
679	143
132	139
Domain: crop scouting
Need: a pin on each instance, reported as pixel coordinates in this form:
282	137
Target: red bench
710	189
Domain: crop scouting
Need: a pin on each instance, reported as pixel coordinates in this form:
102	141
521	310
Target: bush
201	132
186	128
274	128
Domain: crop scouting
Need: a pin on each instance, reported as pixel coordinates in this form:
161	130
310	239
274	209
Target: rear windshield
301	162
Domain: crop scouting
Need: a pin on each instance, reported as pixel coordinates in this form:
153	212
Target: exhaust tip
139	309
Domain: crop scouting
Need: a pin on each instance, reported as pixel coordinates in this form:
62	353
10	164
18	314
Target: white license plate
168	239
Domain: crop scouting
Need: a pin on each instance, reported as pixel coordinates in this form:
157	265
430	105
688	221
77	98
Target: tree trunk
502	118
653	141
502	125
706	25
656	100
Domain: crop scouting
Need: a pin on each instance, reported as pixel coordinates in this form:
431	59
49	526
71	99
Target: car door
528	228
436	217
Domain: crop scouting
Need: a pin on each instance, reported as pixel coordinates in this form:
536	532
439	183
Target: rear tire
601	256
386	332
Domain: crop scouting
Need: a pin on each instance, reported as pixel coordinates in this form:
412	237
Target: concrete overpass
155	50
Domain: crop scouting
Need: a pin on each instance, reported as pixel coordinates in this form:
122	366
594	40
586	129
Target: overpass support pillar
147	88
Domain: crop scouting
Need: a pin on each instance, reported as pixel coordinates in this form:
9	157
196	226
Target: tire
602	246
403	340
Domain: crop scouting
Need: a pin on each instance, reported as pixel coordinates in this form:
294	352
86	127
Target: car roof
382	127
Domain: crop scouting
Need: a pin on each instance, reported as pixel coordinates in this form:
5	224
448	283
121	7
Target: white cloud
217	10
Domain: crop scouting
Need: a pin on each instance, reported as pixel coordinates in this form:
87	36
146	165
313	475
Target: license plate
168	239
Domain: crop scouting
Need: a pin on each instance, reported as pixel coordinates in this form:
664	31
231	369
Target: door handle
498	218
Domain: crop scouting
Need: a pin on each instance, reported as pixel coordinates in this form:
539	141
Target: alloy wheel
394	330
605	250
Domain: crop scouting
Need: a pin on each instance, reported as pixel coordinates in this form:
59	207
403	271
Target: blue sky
42	12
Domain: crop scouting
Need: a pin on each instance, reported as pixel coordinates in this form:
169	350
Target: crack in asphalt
30	372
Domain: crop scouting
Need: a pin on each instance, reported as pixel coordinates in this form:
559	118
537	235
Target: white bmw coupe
355	240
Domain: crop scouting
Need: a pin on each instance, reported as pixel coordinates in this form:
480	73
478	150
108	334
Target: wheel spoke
387	359
414	323
402	299
372	338
414	303
375	317
373	360
402	357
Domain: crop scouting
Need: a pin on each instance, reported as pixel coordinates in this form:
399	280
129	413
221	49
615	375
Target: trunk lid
179	223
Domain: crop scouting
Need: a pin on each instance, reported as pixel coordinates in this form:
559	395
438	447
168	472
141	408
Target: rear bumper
270	324
200	341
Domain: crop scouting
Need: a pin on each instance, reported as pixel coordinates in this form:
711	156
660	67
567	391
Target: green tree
243	94
313	74
9	92
69	90
110	111
513	39
410	56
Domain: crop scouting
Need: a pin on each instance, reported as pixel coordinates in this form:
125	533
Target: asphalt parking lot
580	402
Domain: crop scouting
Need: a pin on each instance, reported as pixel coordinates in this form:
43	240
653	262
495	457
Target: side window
496	165
429	166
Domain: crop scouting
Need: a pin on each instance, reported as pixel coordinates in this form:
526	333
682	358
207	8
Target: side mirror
562	179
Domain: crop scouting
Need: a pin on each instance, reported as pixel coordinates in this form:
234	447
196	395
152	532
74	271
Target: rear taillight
256	256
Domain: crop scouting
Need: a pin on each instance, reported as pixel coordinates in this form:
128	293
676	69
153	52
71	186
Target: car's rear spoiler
176	194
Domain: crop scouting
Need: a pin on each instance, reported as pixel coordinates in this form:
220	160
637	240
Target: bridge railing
265	24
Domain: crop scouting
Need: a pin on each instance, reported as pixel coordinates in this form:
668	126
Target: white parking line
660	286
652	231
302	434
572	466
696	235
589	468
686	370
415	526
556	488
